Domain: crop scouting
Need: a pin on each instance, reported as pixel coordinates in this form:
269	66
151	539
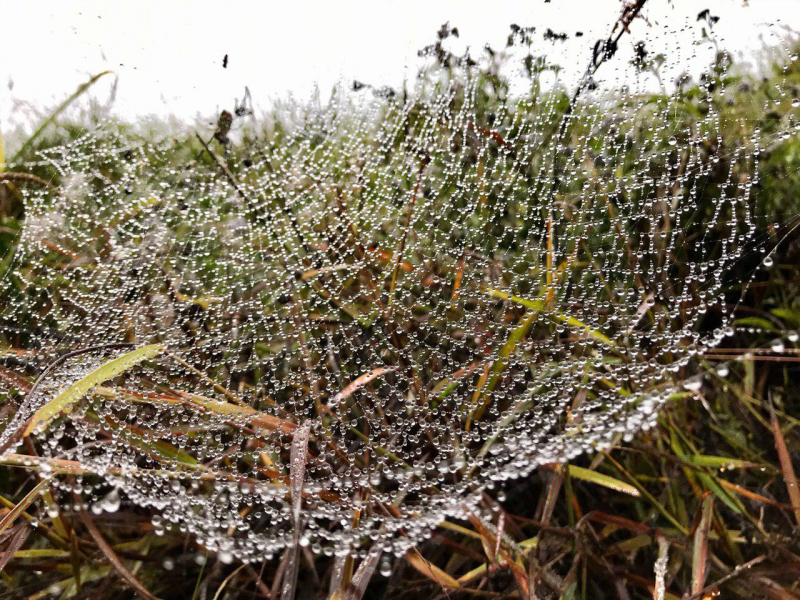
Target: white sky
167	54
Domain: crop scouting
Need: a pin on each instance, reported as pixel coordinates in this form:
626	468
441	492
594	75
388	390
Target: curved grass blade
112	557
27	178
57	112
700	548
362	576
64	401
360	382
16	542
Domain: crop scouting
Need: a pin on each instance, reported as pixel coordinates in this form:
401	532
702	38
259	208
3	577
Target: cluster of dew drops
427	303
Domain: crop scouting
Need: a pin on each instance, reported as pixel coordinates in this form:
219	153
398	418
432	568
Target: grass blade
659	593
362	576
555	315
700	552
789	476
16	542
719	462
227	580
57	112
297	469
145	441
236	411
430	570
360	382
15	512
27	178
297	472
112	557
604	480
64	401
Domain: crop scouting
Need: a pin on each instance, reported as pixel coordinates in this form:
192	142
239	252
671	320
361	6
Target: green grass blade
538	305
64	401
62	107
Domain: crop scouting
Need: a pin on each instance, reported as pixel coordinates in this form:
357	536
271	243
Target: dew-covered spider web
392	305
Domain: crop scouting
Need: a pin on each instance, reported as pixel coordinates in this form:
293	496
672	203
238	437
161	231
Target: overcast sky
167	55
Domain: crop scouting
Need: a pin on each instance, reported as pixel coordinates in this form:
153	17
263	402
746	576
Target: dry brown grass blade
227	581
550	295
459	275
504	558
360	382
430	570
205	378
15	380
609	519
748	494
26	178
14	544
789	476
490	133
112	557
700	552
384	256
256	418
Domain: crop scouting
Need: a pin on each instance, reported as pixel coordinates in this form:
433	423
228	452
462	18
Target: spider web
389	307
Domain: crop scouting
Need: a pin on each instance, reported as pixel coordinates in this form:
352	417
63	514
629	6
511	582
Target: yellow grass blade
604	480
66	399
430	570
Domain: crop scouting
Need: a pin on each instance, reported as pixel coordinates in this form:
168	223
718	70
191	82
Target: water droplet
386	568
111	502
693	384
